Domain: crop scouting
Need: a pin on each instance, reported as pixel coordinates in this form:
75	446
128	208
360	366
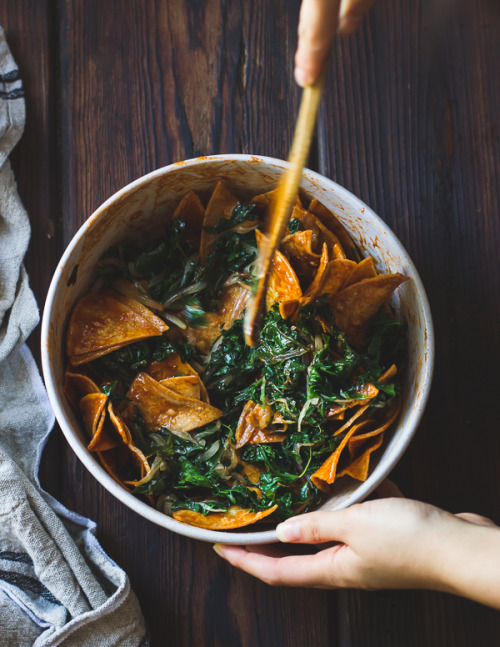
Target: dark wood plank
30	33
410	124
145	84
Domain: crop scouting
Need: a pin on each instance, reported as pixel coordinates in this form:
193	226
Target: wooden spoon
281	208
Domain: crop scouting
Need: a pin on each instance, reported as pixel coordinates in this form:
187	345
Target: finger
388	489
314	527
317	27
351	15
305	570
477	519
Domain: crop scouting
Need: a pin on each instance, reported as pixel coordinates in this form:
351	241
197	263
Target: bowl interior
138	212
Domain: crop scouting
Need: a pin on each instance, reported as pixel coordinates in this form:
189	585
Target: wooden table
410	123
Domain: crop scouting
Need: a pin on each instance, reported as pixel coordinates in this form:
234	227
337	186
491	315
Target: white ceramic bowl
138	210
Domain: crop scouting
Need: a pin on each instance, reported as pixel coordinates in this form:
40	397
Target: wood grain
410	124
143	86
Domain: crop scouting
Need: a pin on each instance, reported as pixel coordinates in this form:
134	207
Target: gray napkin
57	586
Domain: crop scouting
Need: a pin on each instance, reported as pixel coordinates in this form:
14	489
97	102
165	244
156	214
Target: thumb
314	528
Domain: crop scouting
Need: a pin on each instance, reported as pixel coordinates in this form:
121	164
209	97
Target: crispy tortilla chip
188	385
320	233
171	366
313	290
368	391
221	205
93	408
253	426
251	471
283	283
126	436
265	200
297	248
330	279
265	436
135	306
76	385
115	461
363	270
354	307
191	210
245	428
357	414
331	222
357	441
360	467
162	407
388	375
234	517
326	474
232	304
101	323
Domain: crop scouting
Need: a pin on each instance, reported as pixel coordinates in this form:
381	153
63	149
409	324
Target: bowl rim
151	514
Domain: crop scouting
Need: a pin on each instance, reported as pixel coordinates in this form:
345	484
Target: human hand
385	543
318	23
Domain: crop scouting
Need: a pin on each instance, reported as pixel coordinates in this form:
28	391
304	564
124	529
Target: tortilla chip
363	270
320	233
253	426
367	391
358	440
77	385
360	467
135	306
297	248
265	436
357	414
326	474
191	210
188	385
93	408
331	222
330	280
101	323
114	462
354	307
220	205
162	407
234	517
283	283
265	200
171	366
251	471
388	375
245	427
232	304
126	436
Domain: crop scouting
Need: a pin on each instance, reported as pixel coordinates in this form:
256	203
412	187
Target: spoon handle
282	205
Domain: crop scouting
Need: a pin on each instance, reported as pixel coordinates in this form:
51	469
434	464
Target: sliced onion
318	343
184	435
191	289
158	464
211	451
178	322
135	292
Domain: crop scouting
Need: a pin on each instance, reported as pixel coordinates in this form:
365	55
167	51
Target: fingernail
219	549
348	25
288	531
300	77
